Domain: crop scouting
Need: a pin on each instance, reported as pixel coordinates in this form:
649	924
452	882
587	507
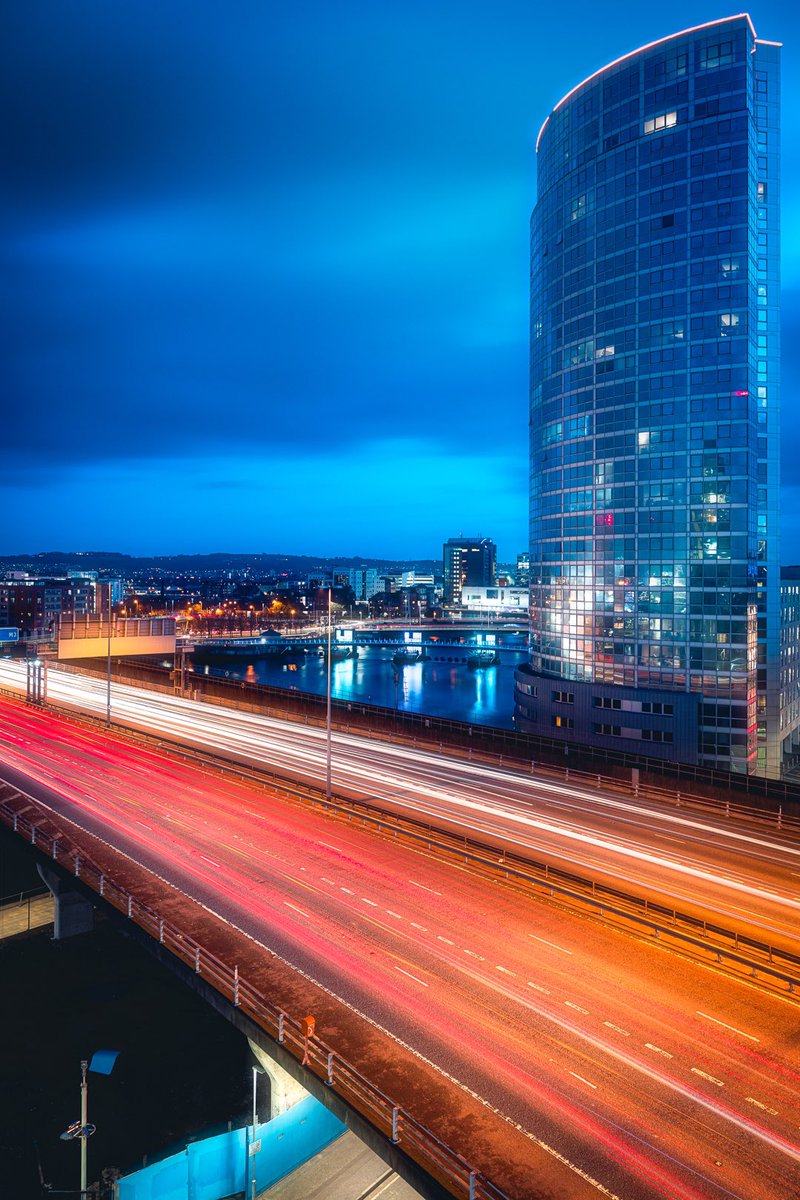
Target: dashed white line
416	925
366	901
330	847
473	954
752	1100
330	881
658	1050
344	889
449	941
296	909
705	1075
732	1028
617	1028
571	1004
506	971
586	1081
410	976
389	913
555	947
538	988
209	860
414	883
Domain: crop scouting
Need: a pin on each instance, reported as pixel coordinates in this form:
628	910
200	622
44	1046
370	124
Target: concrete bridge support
73	912
284	1091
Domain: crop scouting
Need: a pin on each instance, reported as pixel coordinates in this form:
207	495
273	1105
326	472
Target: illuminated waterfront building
467	560
654	576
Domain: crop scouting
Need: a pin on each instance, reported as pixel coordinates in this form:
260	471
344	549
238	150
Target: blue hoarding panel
292	1138
217	1166
167	1180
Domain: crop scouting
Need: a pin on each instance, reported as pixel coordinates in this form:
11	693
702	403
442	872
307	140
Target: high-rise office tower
655	407
467	560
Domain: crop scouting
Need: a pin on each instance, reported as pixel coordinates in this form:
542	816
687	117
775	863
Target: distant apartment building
417	579
364	581
467	561
523	573
35	605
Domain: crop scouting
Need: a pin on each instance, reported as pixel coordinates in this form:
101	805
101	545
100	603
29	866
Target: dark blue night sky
266	266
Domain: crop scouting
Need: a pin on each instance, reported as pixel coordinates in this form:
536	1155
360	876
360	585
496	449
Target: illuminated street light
328	711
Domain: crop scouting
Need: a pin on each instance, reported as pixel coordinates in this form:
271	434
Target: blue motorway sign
9	634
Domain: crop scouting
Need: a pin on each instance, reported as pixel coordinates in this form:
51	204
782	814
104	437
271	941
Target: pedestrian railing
440	1161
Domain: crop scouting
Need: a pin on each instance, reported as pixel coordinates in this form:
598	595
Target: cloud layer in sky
266	270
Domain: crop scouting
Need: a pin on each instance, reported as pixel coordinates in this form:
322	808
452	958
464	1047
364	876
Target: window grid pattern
654	385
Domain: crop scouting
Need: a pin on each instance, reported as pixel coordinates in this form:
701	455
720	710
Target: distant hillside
289	564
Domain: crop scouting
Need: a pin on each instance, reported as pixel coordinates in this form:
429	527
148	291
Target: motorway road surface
635	1074
747	876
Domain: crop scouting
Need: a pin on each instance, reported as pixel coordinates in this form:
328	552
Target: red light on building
741	393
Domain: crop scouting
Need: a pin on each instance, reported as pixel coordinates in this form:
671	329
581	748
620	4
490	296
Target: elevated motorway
564	1059
743	873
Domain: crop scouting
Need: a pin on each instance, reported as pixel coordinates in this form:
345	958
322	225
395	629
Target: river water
480	695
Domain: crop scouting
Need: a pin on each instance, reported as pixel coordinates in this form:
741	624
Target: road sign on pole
9	633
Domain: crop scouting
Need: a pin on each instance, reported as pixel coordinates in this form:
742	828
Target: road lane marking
449	941
705	1075
330	847
658	1050
617	1028
210	860
410	976
752	1100
506	971
330	881
393	914
555	947
414	883
366	901
473	954
416	925
537	988
344	889
586	1081
732	1028
296	909
571	1004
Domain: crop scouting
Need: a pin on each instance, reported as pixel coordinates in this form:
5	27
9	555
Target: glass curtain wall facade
655	577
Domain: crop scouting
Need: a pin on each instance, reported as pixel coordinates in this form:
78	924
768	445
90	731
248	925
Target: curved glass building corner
654	404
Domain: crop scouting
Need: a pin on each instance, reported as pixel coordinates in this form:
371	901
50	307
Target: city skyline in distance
277	312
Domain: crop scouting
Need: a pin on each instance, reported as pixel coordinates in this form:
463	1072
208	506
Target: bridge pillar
284	1091
73	913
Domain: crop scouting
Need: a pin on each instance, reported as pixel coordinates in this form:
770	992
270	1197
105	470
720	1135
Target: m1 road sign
9	634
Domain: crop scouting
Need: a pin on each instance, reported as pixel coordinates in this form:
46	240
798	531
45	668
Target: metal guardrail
440	1161
672	797
577	892
684	931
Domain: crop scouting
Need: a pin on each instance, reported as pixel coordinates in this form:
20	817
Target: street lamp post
256	1072
108	671
84	1134
328	710
102	1062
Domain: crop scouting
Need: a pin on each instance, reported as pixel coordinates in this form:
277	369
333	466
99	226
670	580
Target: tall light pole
84	1134
108	673
255	1144
328	710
